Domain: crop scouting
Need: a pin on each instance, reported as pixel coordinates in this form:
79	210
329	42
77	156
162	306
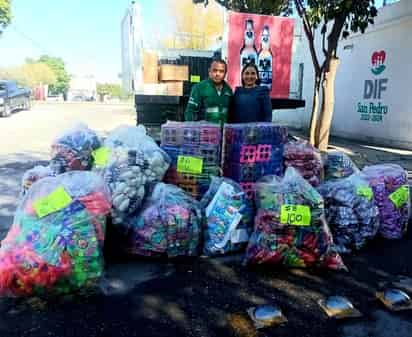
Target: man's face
217	72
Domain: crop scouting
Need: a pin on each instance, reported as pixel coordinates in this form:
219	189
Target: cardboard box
171	72
150	67
174	88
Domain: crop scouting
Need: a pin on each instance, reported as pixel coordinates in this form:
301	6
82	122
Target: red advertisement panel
266	41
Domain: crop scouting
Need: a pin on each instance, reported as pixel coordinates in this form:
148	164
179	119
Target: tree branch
308	31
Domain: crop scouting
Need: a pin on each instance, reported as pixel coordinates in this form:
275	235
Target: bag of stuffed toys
390	187
228	217
169	224
351	212
34	174
338	165
129	160
55	243
73	150
290	225
306	159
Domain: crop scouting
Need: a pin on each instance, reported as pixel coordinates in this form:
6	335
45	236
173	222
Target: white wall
392	33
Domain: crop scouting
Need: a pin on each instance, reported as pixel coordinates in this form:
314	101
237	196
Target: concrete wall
385	116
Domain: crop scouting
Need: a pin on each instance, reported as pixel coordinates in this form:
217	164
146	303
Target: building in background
372	95
82	88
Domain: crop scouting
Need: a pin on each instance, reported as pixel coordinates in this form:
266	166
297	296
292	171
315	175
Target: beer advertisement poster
267	42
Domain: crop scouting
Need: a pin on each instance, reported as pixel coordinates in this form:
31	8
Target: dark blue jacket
251	105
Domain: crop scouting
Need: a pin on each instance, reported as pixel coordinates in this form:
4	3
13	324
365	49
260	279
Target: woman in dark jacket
251	102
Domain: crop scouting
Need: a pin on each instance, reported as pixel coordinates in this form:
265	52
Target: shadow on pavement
11	173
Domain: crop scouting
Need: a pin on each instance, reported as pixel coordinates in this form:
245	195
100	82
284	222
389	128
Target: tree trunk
328	102
315	108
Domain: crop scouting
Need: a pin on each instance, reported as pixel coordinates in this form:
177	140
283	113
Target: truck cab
13	97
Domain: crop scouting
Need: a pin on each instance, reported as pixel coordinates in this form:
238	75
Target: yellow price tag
295	215
194	78
54	202
364	191
186	164
101	156
400	196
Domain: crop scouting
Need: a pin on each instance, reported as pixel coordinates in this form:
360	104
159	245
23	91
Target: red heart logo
378	58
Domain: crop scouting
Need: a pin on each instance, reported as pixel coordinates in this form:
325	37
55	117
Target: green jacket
206	104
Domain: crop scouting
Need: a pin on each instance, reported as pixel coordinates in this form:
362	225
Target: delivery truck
161	79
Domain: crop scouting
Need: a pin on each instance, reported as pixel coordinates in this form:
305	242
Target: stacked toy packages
290	225
129	161
390	187
169	223
194	149
56	240
306	159
338	165
251	151
73	149
351	211
229	217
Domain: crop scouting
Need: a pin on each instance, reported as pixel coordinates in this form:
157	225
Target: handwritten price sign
400	196
54	202
295	215
186	164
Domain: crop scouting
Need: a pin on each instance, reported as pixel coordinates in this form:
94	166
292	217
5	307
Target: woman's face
249	77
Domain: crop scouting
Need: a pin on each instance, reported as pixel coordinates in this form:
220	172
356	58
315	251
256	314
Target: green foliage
5	14
267	7
29	74
62	77
357	14
114	90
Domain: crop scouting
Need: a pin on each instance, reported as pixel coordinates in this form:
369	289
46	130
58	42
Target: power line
29	38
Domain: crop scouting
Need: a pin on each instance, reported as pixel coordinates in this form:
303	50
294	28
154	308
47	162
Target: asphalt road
201	297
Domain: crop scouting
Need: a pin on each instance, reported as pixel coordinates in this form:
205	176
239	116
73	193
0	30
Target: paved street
201	297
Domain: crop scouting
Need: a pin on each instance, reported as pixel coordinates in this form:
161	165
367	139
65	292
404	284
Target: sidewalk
364	154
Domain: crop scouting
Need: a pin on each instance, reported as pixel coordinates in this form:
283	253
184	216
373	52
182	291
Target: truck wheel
6	112
26	105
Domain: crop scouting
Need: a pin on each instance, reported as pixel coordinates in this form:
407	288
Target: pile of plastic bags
391	193
306	159
228	217
351	211
338	165
290	225
55	243
73	150
169	223
129	160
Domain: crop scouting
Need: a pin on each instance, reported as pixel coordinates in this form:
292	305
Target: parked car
55	98
13	97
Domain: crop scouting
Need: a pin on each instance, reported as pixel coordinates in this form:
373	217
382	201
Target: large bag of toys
129	160
73	149
338	165
169	223
55	243
351	212
306	159
290	225
228	217
390	187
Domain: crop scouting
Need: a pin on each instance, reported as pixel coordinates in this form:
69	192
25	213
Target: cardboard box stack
166	79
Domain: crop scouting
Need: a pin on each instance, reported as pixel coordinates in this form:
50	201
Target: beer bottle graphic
265	59
248	53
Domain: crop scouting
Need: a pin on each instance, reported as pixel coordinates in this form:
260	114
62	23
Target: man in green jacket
210	99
